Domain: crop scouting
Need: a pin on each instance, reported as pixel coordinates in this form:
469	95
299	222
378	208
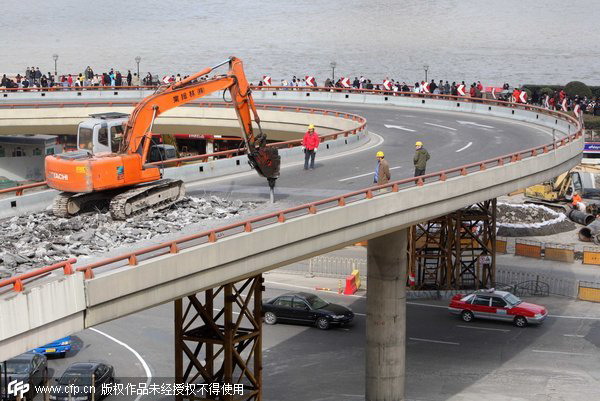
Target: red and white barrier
425	87
523	97
387	84
461	90
345	82
266	80
310	81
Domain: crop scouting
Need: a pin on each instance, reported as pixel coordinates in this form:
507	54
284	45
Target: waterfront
509	41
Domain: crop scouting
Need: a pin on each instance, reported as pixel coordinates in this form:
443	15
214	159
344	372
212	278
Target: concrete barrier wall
75	96
239	164
45	312
280	125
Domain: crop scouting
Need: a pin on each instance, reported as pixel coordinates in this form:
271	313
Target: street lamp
332	65
426	68
55	57
137	60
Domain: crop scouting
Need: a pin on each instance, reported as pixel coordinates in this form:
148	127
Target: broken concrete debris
41	239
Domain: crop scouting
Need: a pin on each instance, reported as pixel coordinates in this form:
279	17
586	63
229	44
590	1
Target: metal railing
279	217
178	162
328	266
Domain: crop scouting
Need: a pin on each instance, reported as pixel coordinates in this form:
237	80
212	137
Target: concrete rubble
42	239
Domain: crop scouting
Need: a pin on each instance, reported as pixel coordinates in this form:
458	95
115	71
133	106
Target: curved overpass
152	276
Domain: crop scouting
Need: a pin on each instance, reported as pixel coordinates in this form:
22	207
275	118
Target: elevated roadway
547	144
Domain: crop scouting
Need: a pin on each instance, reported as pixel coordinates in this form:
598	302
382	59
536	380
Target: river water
515	41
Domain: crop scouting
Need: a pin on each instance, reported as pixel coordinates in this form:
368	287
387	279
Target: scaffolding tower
455	251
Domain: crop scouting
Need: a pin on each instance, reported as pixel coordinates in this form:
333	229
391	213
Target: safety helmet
419	143
380	154
311	126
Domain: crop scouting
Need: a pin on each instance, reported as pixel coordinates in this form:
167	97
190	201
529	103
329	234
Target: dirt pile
41	239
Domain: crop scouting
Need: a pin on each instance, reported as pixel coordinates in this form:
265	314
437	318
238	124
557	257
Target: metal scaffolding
455	251
221	344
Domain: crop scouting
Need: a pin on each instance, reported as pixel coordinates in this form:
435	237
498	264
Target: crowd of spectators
558	100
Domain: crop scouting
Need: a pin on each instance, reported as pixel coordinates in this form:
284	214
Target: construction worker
577	203
420	159
310	144
382	170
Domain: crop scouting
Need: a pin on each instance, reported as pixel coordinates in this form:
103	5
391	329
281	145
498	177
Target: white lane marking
134	352
428	305
441	126
433	341
575	317
559	352
481	328
464	147
375	144
473	124
399	127
574	335
365	175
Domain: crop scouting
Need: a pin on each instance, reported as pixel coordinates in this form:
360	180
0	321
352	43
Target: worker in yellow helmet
310	144
382	170
420	159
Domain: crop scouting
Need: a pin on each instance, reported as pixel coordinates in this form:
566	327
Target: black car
303	307
77	380
29	368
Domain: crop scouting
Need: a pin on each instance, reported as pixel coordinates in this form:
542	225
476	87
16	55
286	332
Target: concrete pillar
386	316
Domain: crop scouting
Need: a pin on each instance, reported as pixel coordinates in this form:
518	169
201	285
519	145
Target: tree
577	88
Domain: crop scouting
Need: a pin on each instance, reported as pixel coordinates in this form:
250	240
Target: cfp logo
18	388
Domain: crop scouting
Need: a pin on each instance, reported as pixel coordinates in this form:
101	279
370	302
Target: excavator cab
102	133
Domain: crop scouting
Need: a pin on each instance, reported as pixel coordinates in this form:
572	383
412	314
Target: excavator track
68	204
138	200
60	205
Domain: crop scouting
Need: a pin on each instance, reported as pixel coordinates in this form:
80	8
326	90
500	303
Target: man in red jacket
310	144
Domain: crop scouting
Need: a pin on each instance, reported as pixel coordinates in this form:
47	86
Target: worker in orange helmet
310	144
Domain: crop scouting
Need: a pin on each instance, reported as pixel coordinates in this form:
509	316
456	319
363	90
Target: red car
497	305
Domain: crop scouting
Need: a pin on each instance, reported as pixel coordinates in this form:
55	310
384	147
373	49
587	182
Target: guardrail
279	217
205	157
17	281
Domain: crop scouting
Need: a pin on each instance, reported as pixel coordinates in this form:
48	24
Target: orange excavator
123	177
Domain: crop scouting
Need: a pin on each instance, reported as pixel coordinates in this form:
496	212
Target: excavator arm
138	134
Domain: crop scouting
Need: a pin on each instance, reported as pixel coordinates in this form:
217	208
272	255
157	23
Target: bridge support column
386	316
218	343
